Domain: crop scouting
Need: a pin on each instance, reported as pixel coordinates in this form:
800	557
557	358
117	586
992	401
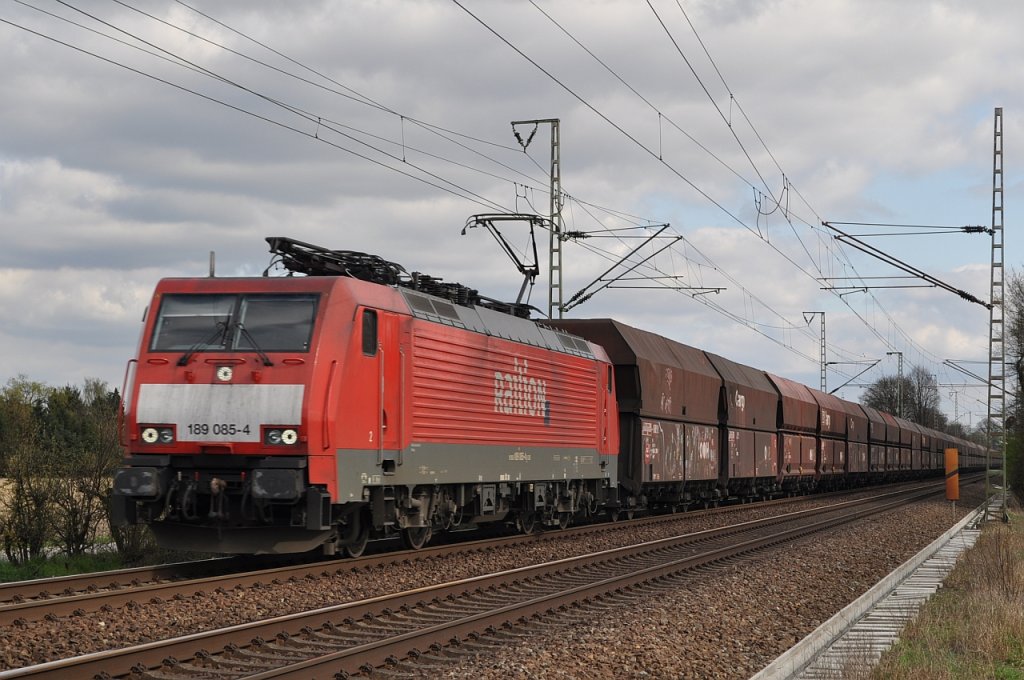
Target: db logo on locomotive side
518	394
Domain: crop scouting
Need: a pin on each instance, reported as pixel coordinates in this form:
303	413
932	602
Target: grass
974	626
58	566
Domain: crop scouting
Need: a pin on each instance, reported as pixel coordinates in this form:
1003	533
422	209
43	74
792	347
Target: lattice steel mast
822	364
996	339
554	211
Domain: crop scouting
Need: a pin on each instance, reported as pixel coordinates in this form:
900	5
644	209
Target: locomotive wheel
415	538
356	547
526	522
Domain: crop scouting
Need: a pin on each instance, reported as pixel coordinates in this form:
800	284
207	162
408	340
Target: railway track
80	594
416	626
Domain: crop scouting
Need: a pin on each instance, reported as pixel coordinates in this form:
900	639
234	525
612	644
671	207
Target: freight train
352	401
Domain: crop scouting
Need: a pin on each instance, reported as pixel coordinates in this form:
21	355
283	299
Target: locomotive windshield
232	322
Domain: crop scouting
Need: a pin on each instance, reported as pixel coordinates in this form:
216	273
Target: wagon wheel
526	522
415	538
564	519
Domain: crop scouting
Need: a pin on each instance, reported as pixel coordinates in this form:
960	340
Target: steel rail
381	653
33	600
119	588
15	591
152	655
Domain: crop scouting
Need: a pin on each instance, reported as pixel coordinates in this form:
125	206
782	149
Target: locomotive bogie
416	511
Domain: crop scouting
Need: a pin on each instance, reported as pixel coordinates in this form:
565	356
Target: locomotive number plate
217	429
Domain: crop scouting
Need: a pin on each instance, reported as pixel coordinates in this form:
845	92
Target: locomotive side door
390	384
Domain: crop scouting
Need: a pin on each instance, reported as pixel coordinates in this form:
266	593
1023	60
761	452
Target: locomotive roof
234	284
495	324
421	305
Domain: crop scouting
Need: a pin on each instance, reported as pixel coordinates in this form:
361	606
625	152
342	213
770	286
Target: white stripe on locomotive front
227	410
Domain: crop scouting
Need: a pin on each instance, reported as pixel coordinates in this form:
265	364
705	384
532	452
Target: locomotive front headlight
281	436
157	434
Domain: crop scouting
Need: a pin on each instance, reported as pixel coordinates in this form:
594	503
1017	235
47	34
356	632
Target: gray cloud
876	111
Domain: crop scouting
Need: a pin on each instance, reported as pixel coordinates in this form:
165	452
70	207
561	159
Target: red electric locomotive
279	414
282	414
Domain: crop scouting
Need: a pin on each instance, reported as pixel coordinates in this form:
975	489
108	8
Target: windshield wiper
221	330
252	341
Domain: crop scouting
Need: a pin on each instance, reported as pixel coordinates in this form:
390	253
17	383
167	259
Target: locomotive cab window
234	322
369	332
275	322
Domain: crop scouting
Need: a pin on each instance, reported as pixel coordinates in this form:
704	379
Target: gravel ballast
727	624
730	624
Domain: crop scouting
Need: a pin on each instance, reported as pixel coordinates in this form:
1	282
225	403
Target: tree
79	430
919	393
1013	324
956	429
924	399
883	394
59	448
25	507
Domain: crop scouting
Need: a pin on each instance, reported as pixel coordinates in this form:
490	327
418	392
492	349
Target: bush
24	517
1015	465
58	450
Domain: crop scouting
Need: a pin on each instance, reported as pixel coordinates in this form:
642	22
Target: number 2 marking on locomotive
371	436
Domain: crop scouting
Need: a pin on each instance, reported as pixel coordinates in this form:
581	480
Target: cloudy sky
136	137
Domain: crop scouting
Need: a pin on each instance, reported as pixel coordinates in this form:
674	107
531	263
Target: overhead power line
903	266
399	163
675	171
320	122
